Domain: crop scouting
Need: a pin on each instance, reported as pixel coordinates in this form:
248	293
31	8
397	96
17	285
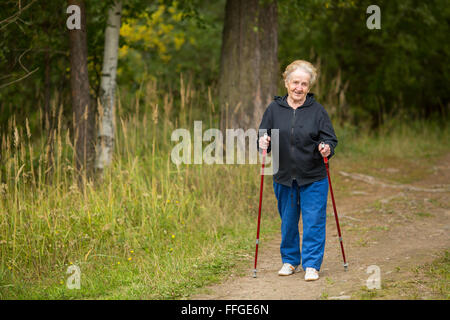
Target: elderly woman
300	184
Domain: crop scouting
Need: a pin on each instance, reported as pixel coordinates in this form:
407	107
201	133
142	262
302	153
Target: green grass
413	146
131	240
150	229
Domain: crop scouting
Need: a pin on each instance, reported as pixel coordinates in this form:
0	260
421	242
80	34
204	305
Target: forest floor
396	216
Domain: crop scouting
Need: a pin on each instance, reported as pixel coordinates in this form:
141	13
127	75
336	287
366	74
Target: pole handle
325	159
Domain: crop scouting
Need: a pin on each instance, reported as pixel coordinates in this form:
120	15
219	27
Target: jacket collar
282	101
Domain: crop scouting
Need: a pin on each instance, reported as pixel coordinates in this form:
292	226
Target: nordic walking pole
325	160
259	211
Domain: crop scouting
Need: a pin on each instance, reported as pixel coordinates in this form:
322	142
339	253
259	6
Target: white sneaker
311	274
287	269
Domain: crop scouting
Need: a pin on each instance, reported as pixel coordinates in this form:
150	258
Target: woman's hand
324	149
264	142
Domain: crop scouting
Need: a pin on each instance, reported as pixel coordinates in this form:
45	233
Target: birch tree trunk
105	141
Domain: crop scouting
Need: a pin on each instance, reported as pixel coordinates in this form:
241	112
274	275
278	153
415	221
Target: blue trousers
311	201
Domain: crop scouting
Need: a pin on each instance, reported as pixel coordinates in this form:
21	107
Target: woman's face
297	85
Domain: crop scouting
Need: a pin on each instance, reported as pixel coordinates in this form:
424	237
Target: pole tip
346	266
254	273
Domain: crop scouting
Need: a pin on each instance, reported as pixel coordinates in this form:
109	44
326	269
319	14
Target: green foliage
39	29
402	68
170	38
176	37
38	37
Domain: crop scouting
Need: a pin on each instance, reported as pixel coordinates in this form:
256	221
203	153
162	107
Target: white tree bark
105	142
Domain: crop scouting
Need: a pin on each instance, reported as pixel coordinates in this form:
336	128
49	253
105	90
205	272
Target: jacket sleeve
326	132
265	127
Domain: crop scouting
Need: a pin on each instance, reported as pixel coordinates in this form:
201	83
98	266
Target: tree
249	65
107	88
83	110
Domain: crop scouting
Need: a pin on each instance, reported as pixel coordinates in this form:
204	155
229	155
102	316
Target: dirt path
395	227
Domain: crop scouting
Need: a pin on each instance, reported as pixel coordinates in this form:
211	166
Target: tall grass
150	229
397	139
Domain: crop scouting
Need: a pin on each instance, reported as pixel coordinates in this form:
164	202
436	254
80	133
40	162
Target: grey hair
304	66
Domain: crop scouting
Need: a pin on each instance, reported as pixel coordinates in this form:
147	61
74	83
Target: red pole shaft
259	210
325	160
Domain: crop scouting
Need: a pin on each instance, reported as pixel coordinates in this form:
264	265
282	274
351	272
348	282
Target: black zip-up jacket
301	131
